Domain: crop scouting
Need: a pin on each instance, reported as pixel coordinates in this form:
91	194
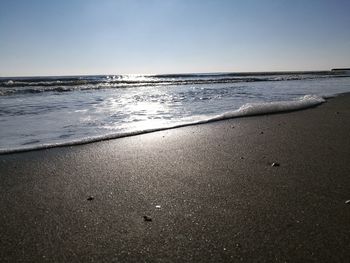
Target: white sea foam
248	109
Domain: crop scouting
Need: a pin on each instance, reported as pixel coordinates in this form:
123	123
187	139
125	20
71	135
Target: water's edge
249	109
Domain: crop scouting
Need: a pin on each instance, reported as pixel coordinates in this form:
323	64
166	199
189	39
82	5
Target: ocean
44	112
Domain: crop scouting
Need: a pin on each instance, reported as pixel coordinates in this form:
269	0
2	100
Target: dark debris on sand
275	164
147	219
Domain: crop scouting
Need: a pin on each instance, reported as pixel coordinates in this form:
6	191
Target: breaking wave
23	85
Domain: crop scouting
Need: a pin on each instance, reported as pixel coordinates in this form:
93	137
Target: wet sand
204	193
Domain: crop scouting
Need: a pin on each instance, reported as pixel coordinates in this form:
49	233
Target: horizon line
183	73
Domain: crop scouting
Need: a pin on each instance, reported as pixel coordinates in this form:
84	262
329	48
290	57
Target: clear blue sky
68	37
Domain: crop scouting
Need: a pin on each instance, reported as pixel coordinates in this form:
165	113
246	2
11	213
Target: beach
254	189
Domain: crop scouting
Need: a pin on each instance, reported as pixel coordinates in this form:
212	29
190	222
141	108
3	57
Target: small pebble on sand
347	202
90	198
275	164
147	219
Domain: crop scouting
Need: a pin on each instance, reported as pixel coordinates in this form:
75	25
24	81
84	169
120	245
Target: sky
79	37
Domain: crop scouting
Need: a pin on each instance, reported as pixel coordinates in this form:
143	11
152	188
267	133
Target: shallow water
43	112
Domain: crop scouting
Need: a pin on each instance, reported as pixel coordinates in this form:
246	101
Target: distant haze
73	37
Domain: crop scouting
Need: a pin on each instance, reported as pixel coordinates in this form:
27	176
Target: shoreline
210	192
259	109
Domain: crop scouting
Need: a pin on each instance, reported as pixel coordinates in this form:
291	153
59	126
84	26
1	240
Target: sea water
42	112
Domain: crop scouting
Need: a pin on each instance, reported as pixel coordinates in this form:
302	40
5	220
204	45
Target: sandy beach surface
205	193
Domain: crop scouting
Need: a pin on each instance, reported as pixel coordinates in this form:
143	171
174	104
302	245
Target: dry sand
203	193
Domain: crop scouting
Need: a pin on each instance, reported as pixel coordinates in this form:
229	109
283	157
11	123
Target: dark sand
220	199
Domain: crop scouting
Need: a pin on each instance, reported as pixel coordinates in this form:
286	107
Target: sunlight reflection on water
56	117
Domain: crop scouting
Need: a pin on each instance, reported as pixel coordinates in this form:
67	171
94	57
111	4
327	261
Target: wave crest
62	84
